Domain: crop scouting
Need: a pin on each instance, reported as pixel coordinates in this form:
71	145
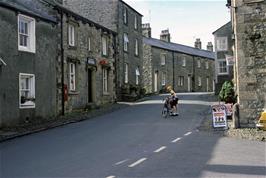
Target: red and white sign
229	60
219	116
229	109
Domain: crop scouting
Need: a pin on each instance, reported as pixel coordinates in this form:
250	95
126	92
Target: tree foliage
227	93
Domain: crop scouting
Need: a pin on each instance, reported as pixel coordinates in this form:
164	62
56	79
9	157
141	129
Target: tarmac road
135	142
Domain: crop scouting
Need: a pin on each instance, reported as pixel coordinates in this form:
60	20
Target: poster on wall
219	116
229	109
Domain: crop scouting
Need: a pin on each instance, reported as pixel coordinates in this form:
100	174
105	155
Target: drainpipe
62	64
193	78
173	56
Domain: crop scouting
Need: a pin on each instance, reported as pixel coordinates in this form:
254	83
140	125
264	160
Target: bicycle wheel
165	112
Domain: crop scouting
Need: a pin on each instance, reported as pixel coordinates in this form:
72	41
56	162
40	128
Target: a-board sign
219	116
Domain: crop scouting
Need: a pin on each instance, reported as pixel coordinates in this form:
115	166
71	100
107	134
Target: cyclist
173	100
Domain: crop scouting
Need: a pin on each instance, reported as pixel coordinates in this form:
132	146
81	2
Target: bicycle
167	109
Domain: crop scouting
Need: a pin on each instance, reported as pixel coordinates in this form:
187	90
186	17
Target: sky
185	19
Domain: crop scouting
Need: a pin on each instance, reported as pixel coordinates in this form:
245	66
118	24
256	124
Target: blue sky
186	20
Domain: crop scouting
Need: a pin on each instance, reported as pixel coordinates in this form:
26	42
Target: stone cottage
86	67
185	68
126	21
28	54
224	55
249	25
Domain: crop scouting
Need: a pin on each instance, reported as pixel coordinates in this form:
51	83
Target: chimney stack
198	43
146	30
165	36
210	46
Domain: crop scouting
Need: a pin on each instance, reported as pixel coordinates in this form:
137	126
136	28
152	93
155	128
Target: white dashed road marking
137	162
160	149
188	133
176	140
121	162
110	177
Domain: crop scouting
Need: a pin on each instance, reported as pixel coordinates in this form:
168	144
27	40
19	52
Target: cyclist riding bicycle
173	100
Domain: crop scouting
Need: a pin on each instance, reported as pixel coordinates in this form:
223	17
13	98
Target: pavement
78	116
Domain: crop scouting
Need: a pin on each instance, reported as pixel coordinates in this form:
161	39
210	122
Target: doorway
189	84
156	81
89	86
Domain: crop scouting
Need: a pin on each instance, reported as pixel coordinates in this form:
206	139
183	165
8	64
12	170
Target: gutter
62	63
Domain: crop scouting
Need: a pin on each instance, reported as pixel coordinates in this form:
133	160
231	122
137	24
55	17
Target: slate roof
29	7
228	24
179	48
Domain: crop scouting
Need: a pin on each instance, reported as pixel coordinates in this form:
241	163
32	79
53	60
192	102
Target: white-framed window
89	44
163	59
126	42
136	22
104	45
72	76
125	13
105	80
137	75
163	79
207	64
26	34
126	73
222	67
199	63
136	47
181	81
199	81
26	90
71	35
221	43
184	62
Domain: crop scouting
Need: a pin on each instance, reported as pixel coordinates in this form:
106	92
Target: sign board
229	109
91	61
219	116
229	60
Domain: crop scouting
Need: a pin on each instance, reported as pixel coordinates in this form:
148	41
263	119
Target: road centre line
121	162
188	133
176	140
137	162
160	149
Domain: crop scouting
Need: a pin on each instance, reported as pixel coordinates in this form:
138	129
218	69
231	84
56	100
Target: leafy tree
227	93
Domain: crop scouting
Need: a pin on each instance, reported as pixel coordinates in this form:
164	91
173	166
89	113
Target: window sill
73	93
106	94
223	73
24	49
26	107
72	47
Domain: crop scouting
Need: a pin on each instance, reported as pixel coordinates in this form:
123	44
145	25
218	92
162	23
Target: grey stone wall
250	51
79	99
147	68
103	12
42	64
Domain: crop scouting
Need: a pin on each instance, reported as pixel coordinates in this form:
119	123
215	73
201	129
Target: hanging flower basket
103	62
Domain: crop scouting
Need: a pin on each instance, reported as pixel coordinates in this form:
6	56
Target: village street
135	142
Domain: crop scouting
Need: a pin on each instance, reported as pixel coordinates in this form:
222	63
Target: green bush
227	93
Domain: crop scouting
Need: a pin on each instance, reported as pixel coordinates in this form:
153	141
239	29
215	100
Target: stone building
248	21
165	63
28	54
126	21
87	60
224	55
